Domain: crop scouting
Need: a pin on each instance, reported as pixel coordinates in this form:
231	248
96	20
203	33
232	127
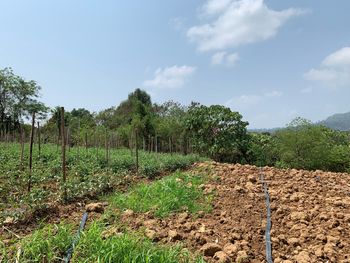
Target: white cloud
170	77
247	101
212	7
224	58
340	58
218	58
238	22
231	59
334	70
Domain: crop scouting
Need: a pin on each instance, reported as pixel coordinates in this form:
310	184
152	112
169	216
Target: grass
126	248
174	193
177	192
48	244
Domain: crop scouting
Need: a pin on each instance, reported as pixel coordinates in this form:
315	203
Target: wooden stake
107	145
156	144
137	152
64	172
39	142
86	141
31	153
68	139
78	142
22	146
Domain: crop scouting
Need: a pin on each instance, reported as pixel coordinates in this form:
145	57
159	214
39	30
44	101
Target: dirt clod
95	207
210	249
222	257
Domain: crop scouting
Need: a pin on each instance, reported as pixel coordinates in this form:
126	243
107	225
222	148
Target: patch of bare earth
310	215
232	232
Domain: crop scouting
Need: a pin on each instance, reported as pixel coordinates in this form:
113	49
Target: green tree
218	132
18	99
303	145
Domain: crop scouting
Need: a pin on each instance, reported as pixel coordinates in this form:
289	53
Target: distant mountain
340	121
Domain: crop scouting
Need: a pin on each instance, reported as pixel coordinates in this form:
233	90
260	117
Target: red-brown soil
310	217
233	230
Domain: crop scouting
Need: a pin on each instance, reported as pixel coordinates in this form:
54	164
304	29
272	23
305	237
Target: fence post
31	153
64	172
39	139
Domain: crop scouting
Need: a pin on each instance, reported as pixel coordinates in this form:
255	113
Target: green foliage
18	99
262	149
89	174
306	146
48	244
93	247
302	145
171	194
218	132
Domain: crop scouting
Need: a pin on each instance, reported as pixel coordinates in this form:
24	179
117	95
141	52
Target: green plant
127	247
48	244
171	194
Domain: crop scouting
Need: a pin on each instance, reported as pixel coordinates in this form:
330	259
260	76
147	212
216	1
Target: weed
174	193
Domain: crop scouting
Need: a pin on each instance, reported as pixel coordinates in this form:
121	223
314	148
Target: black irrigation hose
76	239
268	222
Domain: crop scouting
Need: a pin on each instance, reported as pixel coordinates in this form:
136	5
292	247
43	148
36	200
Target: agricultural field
89	175
212	212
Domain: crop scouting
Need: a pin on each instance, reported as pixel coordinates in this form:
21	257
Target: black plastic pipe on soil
268	222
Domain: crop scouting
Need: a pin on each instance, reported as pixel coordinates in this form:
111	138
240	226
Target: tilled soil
232	232
310	217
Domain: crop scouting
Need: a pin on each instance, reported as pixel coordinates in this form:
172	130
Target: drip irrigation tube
268	222
76	239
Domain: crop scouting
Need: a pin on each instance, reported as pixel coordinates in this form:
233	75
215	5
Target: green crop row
89	173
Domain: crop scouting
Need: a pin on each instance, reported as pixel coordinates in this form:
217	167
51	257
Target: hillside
340	121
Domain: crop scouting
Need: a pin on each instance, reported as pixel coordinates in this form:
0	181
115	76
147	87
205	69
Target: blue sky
270	60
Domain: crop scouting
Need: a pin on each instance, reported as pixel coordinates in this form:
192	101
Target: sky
270	60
